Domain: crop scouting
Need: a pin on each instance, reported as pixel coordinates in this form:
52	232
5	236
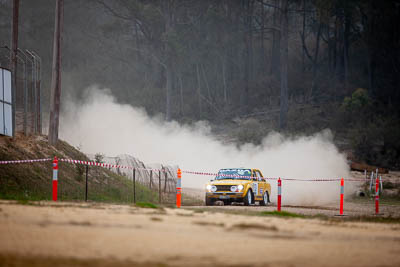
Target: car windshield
236	174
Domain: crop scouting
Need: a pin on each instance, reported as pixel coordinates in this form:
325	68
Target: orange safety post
341	195
179	189
55	178
279	193
377	196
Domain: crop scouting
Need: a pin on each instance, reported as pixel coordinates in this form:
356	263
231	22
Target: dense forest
246	66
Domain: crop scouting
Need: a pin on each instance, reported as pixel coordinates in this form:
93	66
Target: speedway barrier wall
179	176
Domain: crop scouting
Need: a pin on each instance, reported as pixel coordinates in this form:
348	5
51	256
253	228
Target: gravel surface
90	234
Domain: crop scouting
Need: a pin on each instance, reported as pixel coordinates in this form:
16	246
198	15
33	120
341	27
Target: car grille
223	188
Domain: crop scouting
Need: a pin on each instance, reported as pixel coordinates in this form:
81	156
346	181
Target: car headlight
240	187
234	188
213	188
208	187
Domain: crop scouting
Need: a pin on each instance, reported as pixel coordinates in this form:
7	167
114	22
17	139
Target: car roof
241	168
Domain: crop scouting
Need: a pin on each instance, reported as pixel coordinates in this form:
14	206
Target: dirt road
364	207
67	234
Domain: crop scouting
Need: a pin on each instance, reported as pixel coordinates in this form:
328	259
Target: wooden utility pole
56	75
13	59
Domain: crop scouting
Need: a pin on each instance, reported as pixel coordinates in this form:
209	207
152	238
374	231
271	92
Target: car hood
229	182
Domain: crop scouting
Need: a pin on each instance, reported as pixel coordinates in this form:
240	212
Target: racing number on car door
255	185
261	185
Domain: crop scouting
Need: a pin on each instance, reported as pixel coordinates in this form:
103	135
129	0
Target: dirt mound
32	181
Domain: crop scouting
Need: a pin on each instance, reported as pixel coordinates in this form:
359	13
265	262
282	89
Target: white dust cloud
97	124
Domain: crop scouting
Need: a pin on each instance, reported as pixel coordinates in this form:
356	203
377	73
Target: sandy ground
364	208
71	234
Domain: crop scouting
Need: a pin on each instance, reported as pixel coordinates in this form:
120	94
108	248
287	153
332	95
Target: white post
370	182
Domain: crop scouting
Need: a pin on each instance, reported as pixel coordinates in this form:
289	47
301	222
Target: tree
56	75
284	58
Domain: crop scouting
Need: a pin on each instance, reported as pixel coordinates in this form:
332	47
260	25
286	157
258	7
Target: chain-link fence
137	183
28	119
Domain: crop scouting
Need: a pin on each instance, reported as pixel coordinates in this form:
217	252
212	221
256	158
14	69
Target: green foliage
358	101
364	139
80	170
146	205
99	158
282	214
388	185
391	142
373	137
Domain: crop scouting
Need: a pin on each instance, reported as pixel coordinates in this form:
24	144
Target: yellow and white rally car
238	185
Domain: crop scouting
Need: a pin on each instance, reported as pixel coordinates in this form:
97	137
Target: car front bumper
224	195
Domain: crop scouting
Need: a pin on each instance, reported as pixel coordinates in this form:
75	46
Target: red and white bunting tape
273	178
200	173
92	163
23	161
107	165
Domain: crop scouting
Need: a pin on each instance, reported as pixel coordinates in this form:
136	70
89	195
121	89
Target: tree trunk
137	41
330	50
199	91
262	64
168	91
250	31
223	60
304	36
346	44
56	75
248	39
315	60
284	66
340	48
370	50
276	39
334	46
181	93
206	83
168	71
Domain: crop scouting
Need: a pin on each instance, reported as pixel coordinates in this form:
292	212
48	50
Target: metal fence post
25	91
38	91
159	186
86	187
151	178
33	92
134	185
377	196
166	179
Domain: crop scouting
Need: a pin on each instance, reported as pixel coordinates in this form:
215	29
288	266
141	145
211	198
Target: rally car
238	185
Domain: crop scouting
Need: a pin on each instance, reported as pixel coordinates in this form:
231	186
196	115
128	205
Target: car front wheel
248	198
209	201
264	201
